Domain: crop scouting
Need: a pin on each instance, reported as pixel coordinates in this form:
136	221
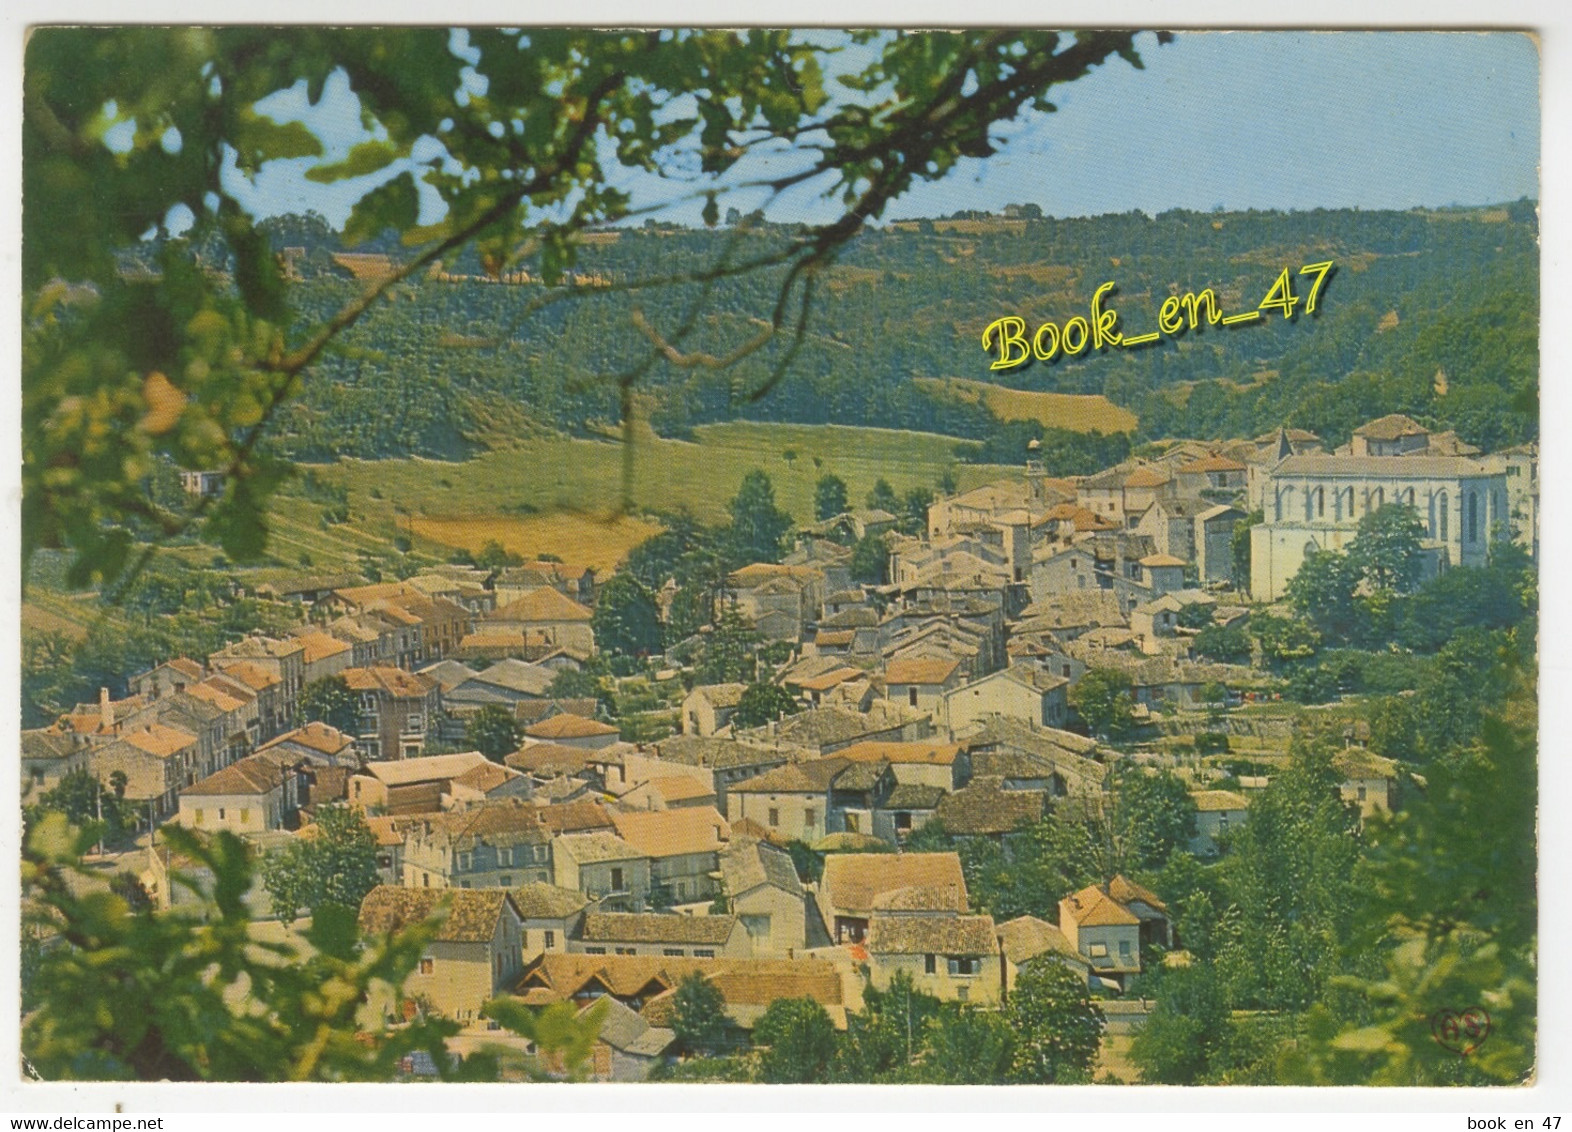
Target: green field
559	475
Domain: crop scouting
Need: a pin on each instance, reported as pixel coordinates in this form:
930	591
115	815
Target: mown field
565	495
1076	412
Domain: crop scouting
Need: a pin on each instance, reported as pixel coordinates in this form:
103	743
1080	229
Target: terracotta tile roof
575	817
545	605
486	777
1376	467
760	572
255	775
1212	464
811	776
1393	426
160	739
596	846
315	735
912	796
251	675
921	670
1215	801
1147	477
1094	908
319	646
713	753
43	743
518	676
985	808
742	982
854	880
388	831
471	913
626	1030
681	788
722	695
824	681
925	753
1125	890
1356	762
536	901
565	726
261	647
748	864
395	682
543	759
1027	937
927	935
223	698
672	833
426	768
1162	560
654	927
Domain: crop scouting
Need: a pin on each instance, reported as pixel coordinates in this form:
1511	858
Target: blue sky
1285	120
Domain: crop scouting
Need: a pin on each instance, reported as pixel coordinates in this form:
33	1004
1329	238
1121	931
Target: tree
493	731
1239	546
963	1045
335	866
883	497
329	700
598	108
1103	699
796	1040
85	803
1324	591
130	995
626	619
884	1042
763	703
829	497
1184	1032
914	511
699	1015
870	562
573	684
1386	549
1226	644
1057	1027
1155	818
729	651
758	527
1283	639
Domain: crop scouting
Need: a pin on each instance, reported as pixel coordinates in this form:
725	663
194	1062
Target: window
616	880
930	964
427	966
911	696
221	813
1124	950
199	817
903	821
465	861
505	881
425	880
810	816
1098	951
551	940
629	951
775	817
594	951
965	965
851	824
1361	793
674	952
704	953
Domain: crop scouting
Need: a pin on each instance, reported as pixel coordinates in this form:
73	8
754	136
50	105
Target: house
257	794
397	709
492	845
322	654
781	601
285	658
316	743
573	731
627	1047
1026	938
519	581
683	847
157	760
665	934
1315	503
921	682
477	952
804	801
927	763
505	683
548	614
669	792
1110	923
1217	812
1369	780
762	890
1026	692
722	763
707	710
164	679
551	915
952	957
825	730
1214	541
603	867
853	884
984	808
1040	759
47	757
409	786
1211	473
906	808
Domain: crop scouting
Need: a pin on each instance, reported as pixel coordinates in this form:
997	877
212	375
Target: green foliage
796	1040
563	1039
1386	549
1283	639
1181	1037
870	562
883	498
698	1015
884	1042
758	527
1194	616
967	1045
1497	596
335	867
1102	698
1239	547
329	700
493	731
1154	817
573	684
829	497
626	619
85	801
762	703
913	513
729	652
127	995
808	862
1057	1027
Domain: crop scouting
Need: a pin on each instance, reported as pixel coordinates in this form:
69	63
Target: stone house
854	883
397	710
258	794
667	935
603	867
707	710
953	957
764	893
1032	694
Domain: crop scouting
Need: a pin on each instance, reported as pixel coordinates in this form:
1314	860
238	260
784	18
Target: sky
1267	120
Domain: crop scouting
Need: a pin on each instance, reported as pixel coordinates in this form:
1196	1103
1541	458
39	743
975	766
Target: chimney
106	713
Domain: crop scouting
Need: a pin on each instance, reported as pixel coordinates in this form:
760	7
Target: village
781	834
